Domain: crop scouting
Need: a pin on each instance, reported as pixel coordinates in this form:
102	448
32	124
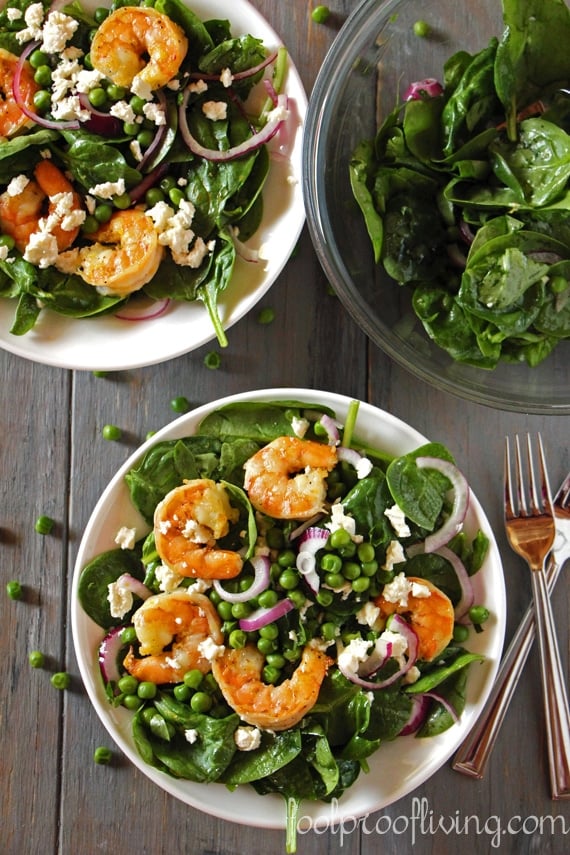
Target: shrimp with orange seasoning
286	479
138	44
12	118
171	627
47	204
430	615
124	254
188	522
238	674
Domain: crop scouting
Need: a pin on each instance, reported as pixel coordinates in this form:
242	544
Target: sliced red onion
404	629
130	583
239	75
109	650
252	144
460	501
261	617
467	594
244	251
331	429
100	123
435	696
420	706
422	89
153	177
161	131
261	565
270	89
310	542
16	91
143	309
361	464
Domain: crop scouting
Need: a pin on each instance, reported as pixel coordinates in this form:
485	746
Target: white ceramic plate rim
110	344
410	761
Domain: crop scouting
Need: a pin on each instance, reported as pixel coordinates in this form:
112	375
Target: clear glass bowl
375	55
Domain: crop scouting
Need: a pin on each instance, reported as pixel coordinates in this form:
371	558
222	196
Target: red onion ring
261	617
260	138
404	629
420	706
72	125
151	310
331	429
159	135
261	565
310	542
460	501
435	696
108	654
422	89
130	583
244	251
100	123
467	593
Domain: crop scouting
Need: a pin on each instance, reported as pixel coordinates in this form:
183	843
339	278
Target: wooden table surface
54	461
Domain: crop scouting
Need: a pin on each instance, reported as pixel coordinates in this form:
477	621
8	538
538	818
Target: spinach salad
466	197
306	637
132	157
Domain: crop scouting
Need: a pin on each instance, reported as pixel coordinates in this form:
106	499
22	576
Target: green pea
182	692
102	756
137	105
193	679
89	225
351	570
201	702
167	184
38	58
145	138
320	14
340	539
266	645
146	690
128	685
331	563
422	29
478	614
328	630
460	633
240	610
348	551
100	14
287	558
42	101
324	597
132	702
103	212
111	432
369	568
116	92
87	62
61	680
271	631
176	195
334	580
266	316
42	76
98	97
7	241
558	284
44	524
361	584
181	404
209	683
271	674
267	599
153	197
224	609
36	659
289	579
213	360
122	202
237	639
365	552
14	590
275	660
297	597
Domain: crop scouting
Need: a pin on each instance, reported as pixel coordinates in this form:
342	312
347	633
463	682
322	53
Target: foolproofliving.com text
425	822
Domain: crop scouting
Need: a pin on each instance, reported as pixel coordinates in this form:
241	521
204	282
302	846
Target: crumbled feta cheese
69	109
412	675
398	521
174	231
399	589
41	249
123	111
155	113
3	253
136	150
353	655
247	738
199	586
174	85
86	79
120	599
33	17
363	468
13	14
198	87
191	735
57	31
17	185
320	644
226	77
341	520
209	649
196	533
125	537
215	110
108	189
394	555
167	579
300	426
140	87
368	614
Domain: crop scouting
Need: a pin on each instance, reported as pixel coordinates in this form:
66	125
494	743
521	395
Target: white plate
109	344
410	761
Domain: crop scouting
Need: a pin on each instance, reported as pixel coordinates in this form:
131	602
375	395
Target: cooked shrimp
12	119
238	674
138	43
47	204
124	256
188	522
286	478
180	621
431	617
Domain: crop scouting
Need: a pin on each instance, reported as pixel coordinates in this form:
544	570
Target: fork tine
521	496
545	496
509	503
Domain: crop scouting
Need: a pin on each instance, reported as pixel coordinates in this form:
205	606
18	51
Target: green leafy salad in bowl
465	192
277	599
134	158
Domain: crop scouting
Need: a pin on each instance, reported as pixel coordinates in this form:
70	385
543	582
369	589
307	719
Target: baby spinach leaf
435	677
276	750
96	577
419	492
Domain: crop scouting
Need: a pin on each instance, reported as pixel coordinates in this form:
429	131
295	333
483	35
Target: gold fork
531	535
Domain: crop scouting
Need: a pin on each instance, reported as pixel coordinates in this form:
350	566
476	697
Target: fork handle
473	754
554	690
